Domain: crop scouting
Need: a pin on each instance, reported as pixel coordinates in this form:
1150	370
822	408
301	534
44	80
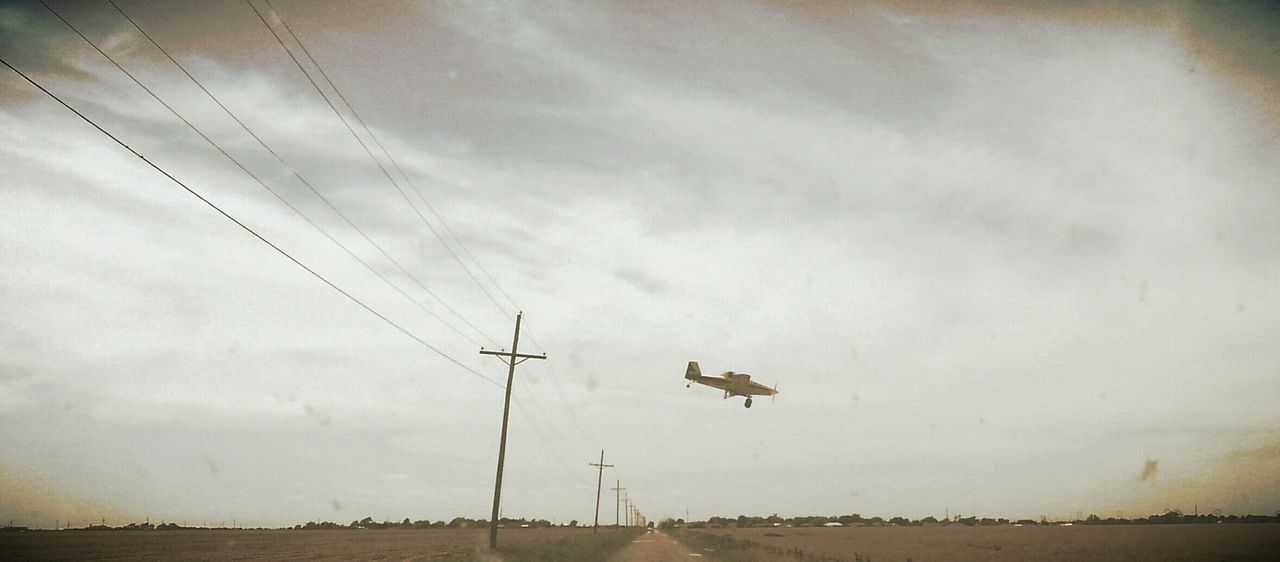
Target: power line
408	179
242	225
555	380
360	141
317	193
545	441
368	131
549	425
350	107
396	164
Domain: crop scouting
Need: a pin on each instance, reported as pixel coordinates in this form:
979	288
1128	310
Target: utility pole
510	360
626	500
599	477
617	502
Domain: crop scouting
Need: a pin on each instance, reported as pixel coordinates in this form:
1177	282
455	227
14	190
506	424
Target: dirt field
427	544
1006	542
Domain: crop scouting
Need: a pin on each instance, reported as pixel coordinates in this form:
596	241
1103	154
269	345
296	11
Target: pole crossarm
484	351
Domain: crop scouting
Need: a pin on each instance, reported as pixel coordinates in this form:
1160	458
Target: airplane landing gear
747	404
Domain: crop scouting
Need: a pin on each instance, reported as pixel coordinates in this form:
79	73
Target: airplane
733	384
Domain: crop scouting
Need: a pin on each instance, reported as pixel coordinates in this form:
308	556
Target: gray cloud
969	200
641	280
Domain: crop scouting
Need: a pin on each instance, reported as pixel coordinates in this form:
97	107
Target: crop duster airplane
733	384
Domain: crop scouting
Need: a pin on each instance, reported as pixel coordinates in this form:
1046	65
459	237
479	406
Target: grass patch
587	548
725	547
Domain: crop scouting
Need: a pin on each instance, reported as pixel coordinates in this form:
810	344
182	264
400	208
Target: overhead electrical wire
555	380
342	97
319	195
385	172
400	169
551	449
409	180
365	146
396	164
414	187
224	213
353	133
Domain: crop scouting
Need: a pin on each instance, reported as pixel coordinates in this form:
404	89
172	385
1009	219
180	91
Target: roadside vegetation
724	547
585	548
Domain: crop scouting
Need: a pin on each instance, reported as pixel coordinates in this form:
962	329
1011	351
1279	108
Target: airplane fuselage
739	384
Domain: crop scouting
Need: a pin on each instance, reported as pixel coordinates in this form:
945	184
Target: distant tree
573	523
850	519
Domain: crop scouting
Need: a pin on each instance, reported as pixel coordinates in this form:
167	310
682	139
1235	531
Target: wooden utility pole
599	477
617	502
511	360
626	502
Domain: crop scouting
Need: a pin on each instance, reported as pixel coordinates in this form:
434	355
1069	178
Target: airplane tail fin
693	371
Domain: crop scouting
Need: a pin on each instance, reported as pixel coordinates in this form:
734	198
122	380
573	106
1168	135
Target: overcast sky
1003	261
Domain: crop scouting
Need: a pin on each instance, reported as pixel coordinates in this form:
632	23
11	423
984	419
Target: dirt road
654	547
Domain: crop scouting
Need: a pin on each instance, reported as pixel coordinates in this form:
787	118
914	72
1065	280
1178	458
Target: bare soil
421	544
1004	542
653	547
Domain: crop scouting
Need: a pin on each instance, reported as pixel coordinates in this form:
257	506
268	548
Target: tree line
1171	517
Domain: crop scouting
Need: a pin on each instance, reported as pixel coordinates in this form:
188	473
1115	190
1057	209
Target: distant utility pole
511	360
599	477
626	501
617	502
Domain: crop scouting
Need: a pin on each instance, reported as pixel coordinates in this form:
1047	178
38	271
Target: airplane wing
758	389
